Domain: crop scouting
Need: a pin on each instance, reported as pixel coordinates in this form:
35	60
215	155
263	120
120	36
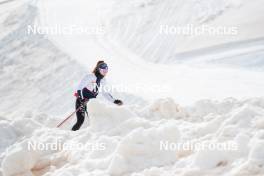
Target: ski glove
118	102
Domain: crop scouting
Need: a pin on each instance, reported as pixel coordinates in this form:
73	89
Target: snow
128	144
8	135
213	92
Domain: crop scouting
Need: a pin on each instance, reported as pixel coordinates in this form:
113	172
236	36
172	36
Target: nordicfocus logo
196	146
67	146
65	30
192	30
131	88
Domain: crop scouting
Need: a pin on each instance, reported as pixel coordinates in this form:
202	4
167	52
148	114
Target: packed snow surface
213	92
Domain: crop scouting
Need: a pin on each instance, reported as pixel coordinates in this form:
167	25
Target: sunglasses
103	66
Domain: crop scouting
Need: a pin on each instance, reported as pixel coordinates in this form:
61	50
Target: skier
88	89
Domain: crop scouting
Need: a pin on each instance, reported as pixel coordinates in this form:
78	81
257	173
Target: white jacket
89	81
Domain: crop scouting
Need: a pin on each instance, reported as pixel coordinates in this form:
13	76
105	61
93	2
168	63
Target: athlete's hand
118	102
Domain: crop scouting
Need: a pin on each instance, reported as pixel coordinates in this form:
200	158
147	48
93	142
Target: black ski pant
80	114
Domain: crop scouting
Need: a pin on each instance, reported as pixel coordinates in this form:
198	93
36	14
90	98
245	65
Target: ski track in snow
32	66
86	49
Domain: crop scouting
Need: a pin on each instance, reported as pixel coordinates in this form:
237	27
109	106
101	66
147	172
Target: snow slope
39	73
137	25
210	82
32	68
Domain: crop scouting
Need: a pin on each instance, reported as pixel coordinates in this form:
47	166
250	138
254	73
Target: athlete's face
103	71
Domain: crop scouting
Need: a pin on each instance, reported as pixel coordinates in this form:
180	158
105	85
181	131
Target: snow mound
165	108
143	144
104	118
128	144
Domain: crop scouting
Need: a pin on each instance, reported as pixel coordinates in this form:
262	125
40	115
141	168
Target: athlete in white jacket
89	88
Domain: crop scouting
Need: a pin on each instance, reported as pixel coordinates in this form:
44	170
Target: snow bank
105	118
165	108
32	68
143	145
131	144
19	161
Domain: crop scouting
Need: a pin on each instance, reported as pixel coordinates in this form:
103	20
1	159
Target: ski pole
71	115
68	117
